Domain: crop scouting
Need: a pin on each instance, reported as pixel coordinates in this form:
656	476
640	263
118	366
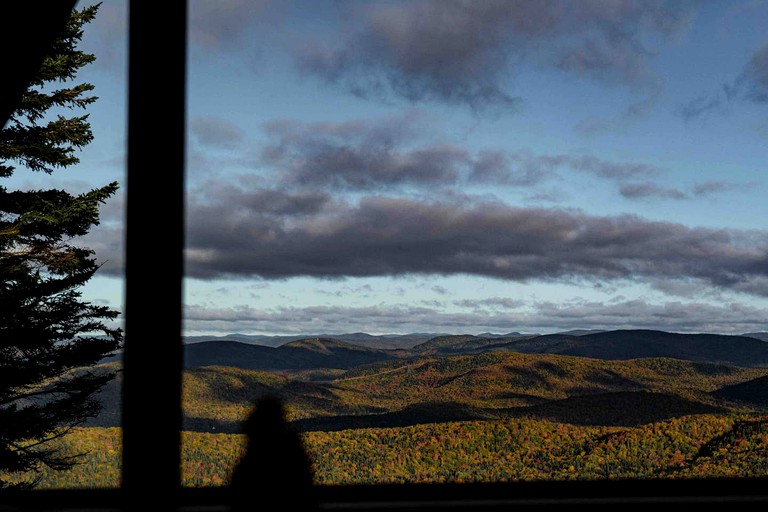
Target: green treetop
50	338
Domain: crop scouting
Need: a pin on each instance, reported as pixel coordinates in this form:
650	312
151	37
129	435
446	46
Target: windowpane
60	323
478	241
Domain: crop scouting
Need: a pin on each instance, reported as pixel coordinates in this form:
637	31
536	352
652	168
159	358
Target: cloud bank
387	236
463	52
535	317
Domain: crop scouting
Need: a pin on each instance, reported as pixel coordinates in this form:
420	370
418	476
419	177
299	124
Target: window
154	283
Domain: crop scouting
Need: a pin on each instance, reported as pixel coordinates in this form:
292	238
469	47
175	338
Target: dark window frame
154	351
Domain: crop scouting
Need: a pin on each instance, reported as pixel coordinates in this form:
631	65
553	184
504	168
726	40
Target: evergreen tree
50	338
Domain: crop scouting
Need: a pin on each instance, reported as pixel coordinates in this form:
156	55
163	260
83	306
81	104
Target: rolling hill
465	344
327	352
300	354
489	385
620	409
633	344
752	392
383	342
612	378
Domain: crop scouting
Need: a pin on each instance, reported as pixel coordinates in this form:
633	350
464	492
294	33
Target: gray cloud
544	317
107	37
712	187
546	165
107	239
705	104
731	318
364	155
610	170
362	168
221	24
460	52
649	190
440	290
216	133
390	236
494	167
687	288
491	302
107	242
750	85
232	199
755	76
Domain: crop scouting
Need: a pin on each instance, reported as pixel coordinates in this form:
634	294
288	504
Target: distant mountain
300	354
433	389
266	341
580	332
383	341
465	344
632	344
758	335
508	335
362	348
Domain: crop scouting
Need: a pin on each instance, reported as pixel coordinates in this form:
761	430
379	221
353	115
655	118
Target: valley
473	408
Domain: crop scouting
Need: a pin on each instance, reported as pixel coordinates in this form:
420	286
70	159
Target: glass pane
62	323
479	241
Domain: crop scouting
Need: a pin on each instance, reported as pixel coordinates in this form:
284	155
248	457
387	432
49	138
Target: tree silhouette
49	337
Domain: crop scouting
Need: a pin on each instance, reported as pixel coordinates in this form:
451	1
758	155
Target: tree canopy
50	338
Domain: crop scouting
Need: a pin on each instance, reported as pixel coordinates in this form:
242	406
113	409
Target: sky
463	167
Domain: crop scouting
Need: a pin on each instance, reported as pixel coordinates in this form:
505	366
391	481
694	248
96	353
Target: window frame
151	463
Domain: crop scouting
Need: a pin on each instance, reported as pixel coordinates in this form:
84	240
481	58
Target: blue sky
440	166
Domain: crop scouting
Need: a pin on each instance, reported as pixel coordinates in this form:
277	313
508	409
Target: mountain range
382	341
325	352
610	378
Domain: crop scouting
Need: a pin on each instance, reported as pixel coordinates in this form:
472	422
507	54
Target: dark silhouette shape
275	471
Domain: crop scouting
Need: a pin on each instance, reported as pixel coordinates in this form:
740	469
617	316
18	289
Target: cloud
452	52
705	104
751	85
401	150
491	302
541	317
361	168
106	239
216	133
712	187
249	198
222	24
107	36
754	78
732	318
687	288
610	170
463	52
649	190
365	155
494	167
383	236
107	242
546	165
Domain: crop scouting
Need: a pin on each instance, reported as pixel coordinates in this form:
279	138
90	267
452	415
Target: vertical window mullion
154	244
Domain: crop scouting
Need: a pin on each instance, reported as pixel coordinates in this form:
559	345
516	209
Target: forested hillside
462	409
